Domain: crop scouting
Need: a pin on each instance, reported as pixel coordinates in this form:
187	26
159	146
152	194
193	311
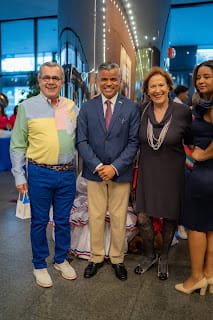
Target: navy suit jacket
117	145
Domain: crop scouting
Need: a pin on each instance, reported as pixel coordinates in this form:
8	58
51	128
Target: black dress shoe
92	269
120	271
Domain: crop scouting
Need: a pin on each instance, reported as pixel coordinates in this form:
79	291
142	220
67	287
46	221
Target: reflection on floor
102	297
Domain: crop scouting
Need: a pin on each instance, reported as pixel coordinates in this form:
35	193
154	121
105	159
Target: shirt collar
113	99
47	99
178	100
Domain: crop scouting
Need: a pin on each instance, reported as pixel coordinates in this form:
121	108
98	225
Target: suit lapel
116	112
100	112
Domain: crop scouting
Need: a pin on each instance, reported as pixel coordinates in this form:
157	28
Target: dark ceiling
189	22
151	18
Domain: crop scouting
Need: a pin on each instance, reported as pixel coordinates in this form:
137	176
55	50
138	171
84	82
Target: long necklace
155	143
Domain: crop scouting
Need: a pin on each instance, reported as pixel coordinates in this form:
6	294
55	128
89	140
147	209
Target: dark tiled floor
102	297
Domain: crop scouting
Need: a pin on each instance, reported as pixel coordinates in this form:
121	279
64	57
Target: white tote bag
23	210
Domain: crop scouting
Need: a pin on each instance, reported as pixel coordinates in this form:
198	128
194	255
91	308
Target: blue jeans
49	187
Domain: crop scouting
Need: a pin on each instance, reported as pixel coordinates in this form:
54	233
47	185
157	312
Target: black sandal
163	271
146	264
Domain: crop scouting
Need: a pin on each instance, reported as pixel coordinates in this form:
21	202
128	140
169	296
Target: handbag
135	172
136	162
23	210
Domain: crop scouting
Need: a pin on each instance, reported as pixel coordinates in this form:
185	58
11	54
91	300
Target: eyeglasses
48	78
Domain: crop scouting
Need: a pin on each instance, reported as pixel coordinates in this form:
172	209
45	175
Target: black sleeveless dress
198	209
161	177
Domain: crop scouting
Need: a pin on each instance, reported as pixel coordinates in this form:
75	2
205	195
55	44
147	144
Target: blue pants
49	187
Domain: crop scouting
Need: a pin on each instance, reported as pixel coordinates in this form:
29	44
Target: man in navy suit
107	141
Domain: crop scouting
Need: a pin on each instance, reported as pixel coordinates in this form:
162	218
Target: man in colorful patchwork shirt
44	135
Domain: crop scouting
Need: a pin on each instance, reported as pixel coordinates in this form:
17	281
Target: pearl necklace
155	143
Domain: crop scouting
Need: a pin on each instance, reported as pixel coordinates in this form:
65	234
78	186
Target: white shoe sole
64	275
183	237
43	285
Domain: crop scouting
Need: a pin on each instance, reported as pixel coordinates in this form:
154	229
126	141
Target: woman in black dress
165	126
198	213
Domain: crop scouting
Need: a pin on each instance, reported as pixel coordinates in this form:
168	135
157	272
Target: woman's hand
199	154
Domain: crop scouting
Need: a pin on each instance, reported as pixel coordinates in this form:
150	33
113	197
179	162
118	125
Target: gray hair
109	66
51	64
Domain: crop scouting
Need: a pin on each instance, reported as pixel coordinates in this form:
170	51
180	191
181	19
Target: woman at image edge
198	213
165	126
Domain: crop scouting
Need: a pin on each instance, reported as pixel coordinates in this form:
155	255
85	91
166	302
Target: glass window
63	56
79	62
71	55
16	89
18	63
17	45
47	40
18	54
204	54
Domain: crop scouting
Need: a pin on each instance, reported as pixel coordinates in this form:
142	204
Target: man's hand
22	188
106	172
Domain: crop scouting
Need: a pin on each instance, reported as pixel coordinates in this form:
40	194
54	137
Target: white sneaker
66	270
43	278
182	232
